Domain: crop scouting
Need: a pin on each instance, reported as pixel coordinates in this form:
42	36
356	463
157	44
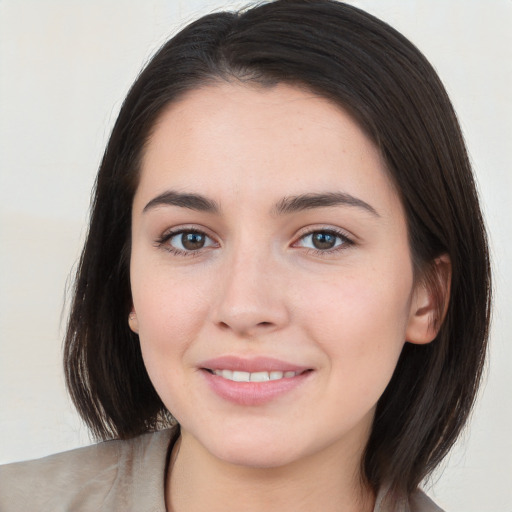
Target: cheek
170	314
357	304
168	303
360	327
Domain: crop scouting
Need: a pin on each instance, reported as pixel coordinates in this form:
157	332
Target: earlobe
133	322
430	302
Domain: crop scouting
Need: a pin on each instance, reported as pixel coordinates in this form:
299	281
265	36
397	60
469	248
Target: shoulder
106	476
418	501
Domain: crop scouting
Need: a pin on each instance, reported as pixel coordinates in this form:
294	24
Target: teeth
259	377
241	376
227	374
253	377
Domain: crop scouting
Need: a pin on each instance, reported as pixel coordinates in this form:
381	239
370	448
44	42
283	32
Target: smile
264	376
253	381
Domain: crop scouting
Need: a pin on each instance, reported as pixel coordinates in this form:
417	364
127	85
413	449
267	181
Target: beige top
114	476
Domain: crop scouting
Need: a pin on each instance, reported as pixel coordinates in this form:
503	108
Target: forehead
248	140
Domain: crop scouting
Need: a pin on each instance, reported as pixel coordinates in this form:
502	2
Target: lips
251	365
263	376
252	381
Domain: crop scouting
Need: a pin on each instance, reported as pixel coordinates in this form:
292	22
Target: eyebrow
285	206
309	201
184	200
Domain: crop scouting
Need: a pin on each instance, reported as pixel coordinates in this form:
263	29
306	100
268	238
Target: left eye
322	240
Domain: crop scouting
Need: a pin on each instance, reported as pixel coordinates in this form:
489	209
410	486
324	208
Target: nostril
248	322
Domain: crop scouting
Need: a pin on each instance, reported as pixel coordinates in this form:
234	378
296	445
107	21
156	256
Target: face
271	274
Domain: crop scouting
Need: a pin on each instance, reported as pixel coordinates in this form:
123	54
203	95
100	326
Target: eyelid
346	238
168	234
314	228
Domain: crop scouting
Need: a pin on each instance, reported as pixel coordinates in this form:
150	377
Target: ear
133	322
430	301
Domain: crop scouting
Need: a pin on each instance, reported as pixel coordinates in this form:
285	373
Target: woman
286	265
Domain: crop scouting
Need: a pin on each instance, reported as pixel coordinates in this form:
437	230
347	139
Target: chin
251	449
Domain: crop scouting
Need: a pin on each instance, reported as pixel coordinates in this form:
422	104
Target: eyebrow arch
308	201
184	200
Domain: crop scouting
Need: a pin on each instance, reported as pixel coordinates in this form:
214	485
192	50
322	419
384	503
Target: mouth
254	381
259	376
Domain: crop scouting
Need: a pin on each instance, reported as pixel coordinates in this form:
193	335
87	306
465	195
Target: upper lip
251	365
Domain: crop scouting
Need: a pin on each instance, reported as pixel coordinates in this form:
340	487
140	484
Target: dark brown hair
348	56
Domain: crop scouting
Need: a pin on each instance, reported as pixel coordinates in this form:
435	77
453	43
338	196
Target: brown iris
323	240
193	241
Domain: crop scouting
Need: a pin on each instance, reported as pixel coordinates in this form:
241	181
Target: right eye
186	242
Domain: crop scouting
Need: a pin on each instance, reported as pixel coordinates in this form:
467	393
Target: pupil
324	240
192	241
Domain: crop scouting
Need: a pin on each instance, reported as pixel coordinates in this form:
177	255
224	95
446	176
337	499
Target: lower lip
253	393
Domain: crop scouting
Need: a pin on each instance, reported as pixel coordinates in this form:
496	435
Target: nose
252	299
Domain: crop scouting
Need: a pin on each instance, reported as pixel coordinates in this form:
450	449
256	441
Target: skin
260	287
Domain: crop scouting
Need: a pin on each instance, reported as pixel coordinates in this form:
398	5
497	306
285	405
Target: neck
328	481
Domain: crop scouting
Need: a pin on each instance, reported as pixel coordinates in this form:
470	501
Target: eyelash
346	242
162	242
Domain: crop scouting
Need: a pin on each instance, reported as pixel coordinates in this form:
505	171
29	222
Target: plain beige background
65	66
